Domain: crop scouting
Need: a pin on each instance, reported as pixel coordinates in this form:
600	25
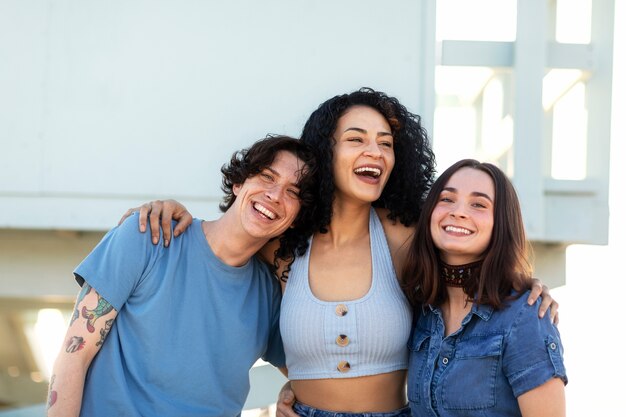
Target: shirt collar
484	311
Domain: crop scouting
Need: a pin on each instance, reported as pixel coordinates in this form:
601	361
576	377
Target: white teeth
457	230
375	171
264	211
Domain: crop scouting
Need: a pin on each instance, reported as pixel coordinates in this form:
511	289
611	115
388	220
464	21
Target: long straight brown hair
506	265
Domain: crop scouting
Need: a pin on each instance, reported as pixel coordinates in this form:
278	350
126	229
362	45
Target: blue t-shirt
481	369
188	329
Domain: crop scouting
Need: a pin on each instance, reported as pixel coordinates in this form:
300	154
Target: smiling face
363	154
461	223
269	201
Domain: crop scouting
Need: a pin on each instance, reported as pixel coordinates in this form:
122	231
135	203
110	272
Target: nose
373	150
457	211
273	193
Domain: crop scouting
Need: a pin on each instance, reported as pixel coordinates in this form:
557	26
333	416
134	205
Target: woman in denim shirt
477	347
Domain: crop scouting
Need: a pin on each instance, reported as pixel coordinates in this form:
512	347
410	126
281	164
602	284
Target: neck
348	223
457	298
454	309
234	249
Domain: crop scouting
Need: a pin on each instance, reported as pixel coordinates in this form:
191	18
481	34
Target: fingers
183	224
173	210
128	213
535	291
546	301
287	397
285	410
144	211
156	208
166	223
554	311
286	400
161	214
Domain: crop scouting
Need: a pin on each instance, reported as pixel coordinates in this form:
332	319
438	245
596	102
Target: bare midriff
374	393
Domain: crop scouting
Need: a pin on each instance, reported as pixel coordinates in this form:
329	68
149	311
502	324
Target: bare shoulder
397	234
399	238
267	251
267	254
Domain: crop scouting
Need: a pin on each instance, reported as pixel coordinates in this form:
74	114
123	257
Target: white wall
108	104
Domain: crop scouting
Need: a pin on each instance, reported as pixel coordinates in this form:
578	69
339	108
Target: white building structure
104	105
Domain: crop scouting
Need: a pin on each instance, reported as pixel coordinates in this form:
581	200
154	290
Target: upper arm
399	238
275	352
546	400
119	263
533	352
267	255
89	326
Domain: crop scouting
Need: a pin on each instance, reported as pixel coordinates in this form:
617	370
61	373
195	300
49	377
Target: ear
236	189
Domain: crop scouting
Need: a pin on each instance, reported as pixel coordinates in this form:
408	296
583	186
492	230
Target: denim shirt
482	368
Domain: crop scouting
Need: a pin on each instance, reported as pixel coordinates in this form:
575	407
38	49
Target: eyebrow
273	171
360	130
473	193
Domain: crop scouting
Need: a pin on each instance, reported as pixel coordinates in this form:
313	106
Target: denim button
342	340
344	366
341	310
445	361
553	346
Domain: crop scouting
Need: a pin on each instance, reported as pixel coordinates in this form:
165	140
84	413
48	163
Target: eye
355	139
266	176
294	193
480	205
387	144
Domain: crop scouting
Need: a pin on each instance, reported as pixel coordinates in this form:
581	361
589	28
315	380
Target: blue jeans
306	411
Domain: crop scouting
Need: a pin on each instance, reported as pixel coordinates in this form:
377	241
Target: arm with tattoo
90	324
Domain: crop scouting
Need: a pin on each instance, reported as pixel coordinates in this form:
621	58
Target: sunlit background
590	304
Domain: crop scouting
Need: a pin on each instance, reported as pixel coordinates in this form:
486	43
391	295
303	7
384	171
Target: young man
174	332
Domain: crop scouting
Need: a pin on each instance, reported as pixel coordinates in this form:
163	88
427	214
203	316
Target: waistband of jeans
309	411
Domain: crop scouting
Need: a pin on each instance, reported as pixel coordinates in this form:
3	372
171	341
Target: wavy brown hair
249	162
506	265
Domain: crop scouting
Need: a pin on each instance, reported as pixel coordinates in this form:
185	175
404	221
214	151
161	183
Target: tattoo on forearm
52	395
103	308
83	292
74	344
104	332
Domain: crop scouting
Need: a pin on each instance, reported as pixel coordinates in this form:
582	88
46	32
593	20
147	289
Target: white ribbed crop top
346	339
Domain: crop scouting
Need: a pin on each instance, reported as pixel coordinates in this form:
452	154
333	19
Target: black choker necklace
459	275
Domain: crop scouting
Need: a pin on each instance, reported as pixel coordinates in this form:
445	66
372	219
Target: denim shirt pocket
418	363
470	382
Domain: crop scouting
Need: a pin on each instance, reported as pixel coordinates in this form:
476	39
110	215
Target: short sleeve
533	352
115	266
275	353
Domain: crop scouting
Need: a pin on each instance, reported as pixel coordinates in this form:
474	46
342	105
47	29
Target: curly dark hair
506	264
249	162
414	168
